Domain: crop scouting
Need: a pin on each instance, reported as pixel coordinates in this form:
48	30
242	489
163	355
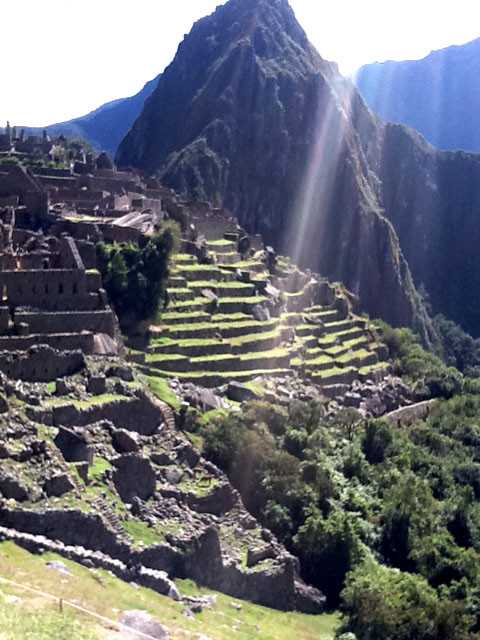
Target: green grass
162	357
108	596
197	267
347	357
257	388
247	300
220	243
373	367
218	285
106	398
241	340
278	352
160	388
141	532
213	358
27	622
98	467
189	303
335	371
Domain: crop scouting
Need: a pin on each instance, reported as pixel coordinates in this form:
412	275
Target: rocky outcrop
250	117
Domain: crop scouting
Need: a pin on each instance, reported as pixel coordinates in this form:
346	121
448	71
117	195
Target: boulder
134	477
260	313
11	487
61	387
308	599
206	400
254	556
125	441
173	476
61	567
238	392
142	622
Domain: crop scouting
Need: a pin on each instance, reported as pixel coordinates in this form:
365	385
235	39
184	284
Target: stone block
58	484
97	385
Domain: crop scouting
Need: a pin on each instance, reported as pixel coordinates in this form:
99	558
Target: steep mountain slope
439	95
249	116
104	127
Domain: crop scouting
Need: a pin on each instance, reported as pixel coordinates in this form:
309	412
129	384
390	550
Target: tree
385	604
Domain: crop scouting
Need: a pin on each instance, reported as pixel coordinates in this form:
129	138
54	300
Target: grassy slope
97	591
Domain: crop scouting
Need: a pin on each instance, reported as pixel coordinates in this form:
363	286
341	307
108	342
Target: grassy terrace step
329	315
308	330
232	317
182	293
176	282
182	258
199	271
240	304
225	289
191	348
379	367
344	347
197	304
319	363
232	258
360	358
246	265
225	329
343	325
173	362
259	342
332	339
335	375
272	359
306	342
215	379
178	317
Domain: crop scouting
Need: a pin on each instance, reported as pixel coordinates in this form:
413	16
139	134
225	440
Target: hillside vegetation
368	509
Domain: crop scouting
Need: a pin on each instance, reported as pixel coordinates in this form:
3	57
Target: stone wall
41	364
61	341
405	416
45	288
67	321
214	227
134	414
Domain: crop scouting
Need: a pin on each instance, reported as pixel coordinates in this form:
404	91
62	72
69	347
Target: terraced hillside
236	319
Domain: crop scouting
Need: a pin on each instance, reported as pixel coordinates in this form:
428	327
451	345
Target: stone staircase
112	519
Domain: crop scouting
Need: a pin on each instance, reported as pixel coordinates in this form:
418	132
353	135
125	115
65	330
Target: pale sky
63	58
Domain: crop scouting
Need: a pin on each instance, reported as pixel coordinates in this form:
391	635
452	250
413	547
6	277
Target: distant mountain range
104	127
438	96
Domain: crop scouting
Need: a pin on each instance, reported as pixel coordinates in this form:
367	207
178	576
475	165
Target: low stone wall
134	414
61	341
405	416
67	321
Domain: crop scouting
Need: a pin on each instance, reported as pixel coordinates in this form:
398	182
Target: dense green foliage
386	522
427	374
348	495
460	349
135	276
